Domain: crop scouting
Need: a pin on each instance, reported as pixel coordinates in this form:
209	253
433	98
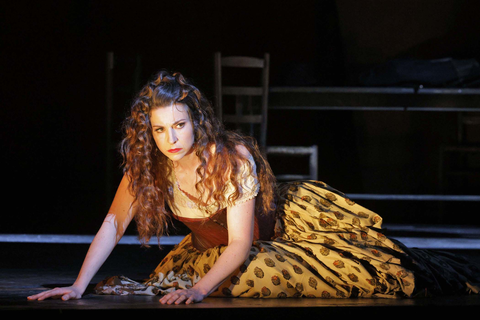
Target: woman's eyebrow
176	122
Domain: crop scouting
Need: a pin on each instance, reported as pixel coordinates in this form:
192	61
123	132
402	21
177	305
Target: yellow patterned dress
323	245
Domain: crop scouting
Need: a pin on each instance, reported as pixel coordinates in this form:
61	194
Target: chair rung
245	62
291	150
470	172
242	91
242	118
294	177
462	148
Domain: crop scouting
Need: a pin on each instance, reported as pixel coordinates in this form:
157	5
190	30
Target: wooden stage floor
28	268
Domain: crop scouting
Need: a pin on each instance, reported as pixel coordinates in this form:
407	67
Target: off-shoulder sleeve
248	182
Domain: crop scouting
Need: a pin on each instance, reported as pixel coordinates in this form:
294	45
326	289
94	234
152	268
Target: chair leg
314	162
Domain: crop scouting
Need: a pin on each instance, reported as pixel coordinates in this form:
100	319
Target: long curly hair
148	170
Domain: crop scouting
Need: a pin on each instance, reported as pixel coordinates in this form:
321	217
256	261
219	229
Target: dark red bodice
211	232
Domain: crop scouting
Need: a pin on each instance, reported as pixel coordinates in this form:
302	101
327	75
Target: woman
248	238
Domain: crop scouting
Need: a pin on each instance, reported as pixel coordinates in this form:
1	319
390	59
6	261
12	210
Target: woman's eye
159	130
181	125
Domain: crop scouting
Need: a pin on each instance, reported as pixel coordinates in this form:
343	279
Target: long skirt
326	246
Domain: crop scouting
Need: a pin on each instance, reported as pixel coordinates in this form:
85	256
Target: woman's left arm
240	220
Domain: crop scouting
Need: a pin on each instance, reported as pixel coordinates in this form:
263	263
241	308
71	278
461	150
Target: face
173	131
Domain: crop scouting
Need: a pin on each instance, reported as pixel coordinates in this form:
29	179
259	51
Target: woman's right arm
113	227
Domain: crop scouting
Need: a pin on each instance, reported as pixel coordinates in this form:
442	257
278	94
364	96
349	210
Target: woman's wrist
79	286
202	290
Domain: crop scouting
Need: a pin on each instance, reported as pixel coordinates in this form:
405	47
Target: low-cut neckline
186	194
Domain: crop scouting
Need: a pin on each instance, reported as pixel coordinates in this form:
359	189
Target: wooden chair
251	118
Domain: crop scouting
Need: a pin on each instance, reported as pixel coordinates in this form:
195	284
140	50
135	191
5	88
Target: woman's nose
172	137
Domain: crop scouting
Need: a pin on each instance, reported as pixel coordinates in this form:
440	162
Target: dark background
55	154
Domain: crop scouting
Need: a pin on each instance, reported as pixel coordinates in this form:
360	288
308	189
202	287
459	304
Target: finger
176	299
180	299
163	300
68	296
49	294
42	296
169	298
54	293
34	297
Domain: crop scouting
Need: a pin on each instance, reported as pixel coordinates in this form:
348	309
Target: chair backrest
244	113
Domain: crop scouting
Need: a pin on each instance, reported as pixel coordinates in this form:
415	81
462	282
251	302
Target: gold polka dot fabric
326	246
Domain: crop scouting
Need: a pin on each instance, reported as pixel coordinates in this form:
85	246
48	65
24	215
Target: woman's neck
189	163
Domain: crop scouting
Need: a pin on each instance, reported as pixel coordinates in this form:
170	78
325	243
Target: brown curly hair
148	169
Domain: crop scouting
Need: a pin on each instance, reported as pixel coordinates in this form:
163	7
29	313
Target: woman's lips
174	150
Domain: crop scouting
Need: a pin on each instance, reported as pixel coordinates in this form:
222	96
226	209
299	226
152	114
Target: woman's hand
113	227
65	293
183	296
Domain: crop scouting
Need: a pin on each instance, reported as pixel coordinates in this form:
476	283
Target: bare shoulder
242	150
244	157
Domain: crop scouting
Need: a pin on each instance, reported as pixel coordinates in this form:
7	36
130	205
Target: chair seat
311	151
